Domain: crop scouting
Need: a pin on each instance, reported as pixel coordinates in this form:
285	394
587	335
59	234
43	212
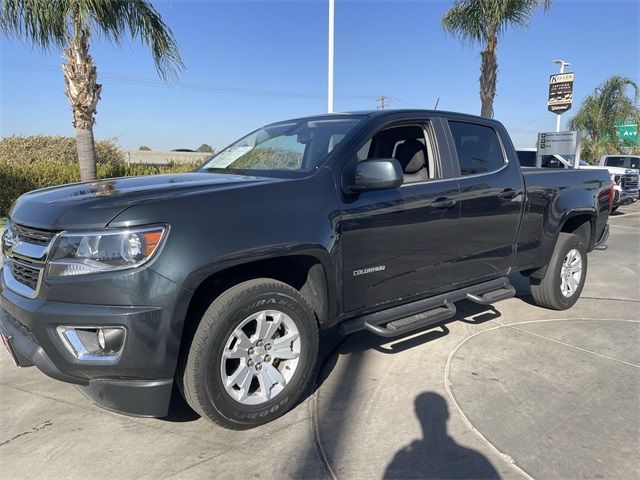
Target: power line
404	102
183	86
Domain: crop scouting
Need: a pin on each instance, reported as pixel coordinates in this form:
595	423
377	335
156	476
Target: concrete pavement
509	391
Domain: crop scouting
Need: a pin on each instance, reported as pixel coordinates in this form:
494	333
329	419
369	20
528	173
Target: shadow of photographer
436	454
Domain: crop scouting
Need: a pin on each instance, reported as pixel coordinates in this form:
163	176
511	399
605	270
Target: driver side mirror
376	174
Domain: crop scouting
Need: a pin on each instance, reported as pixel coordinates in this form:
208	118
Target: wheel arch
306	272
579	222
582	224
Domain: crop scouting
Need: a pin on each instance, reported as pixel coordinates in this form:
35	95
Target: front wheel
564	279
252	356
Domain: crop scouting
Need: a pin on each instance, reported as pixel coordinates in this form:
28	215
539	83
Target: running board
493	296
429	311
414	322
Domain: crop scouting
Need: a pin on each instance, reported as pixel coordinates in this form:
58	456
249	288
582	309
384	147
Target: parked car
218	281
625	179
623	161
528	156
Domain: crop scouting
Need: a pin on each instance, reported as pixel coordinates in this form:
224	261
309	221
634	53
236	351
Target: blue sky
250	63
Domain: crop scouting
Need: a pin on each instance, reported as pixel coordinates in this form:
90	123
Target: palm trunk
86	154
83	93
488	77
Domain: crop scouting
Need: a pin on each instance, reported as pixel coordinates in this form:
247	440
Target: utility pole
330	60
382	101
562	64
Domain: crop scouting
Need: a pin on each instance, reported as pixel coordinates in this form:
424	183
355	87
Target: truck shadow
468	312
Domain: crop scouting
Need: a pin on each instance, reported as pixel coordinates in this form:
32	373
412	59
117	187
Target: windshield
300	146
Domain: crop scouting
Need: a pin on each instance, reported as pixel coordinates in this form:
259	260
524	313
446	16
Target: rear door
491	200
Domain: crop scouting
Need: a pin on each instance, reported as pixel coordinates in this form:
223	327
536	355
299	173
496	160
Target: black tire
202	380
547	292
614	209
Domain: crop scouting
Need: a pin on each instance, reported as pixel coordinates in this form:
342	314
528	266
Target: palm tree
68	25
481	22
598	114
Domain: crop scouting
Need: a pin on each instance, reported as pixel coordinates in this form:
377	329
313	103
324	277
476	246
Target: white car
625	179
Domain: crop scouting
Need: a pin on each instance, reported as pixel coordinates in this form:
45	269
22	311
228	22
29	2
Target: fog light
93	344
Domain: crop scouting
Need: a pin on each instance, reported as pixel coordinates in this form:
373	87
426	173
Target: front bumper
625	197
141	381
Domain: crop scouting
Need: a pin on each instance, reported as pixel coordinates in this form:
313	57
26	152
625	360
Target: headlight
89	252
8	237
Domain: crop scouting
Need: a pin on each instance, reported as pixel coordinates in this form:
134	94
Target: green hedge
28	163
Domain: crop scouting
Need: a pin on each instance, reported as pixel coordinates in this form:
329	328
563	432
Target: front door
395	243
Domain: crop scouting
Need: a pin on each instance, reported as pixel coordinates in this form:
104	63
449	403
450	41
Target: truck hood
92	205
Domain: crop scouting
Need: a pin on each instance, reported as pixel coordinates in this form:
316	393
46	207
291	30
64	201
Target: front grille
32	235
629	182
25	274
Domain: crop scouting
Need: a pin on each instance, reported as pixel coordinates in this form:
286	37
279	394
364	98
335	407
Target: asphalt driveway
508	391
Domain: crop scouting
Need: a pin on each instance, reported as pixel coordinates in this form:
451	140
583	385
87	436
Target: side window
410	145
478	147
363	153
549	161
614	162
527	159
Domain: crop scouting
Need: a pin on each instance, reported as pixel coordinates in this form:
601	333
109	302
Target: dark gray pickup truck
216	282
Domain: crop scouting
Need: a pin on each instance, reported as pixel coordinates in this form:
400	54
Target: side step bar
493	296
429	311
414	322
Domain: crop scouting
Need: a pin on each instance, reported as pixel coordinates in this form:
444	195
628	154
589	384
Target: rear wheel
252	355
565	276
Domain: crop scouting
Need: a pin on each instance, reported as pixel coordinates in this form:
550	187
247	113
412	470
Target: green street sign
628	132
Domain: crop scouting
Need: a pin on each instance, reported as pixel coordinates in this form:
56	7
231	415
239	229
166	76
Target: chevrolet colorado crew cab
217	282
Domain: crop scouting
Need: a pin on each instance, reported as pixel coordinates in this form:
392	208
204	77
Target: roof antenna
437	102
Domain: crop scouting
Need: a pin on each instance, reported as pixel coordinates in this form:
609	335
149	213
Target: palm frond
51	23
138	19
465	20
479	20
40	23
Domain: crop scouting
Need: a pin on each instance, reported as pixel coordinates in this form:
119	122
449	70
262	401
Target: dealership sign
558	143
560	93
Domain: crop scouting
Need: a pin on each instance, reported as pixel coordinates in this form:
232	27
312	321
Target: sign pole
330	60
560	115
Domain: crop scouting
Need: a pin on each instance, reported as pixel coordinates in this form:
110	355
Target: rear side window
626	162
478	148
614	161
549	161
527	159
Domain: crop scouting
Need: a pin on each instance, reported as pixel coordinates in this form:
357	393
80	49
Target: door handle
443	203
508	193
